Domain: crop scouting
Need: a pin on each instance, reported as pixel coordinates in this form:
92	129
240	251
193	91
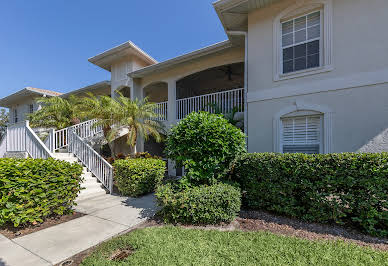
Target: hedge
200	204
205	144
33	189
343	188
136	177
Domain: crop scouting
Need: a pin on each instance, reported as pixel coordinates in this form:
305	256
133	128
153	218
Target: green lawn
178	246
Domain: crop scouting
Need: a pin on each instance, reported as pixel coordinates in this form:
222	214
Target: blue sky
46	43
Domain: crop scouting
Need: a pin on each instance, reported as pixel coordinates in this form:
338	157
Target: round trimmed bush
206	144
136	177
200	204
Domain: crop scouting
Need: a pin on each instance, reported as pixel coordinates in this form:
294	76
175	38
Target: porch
215	90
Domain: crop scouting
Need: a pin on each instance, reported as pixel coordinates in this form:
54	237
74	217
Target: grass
178	246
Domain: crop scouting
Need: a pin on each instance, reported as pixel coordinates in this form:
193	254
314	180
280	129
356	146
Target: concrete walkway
106	217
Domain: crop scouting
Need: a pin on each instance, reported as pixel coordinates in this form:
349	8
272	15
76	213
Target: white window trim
300	8
327	128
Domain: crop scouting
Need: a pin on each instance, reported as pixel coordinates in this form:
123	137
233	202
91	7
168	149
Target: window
301	43
15	116
30	108
303	38
302	134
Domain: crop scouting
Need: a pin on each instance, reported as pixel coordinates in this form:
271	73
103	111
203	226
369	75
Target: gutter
245	34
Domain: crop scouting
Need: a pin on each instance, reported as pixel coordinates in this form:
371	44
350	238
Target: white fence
91	159
223	102
161	109
21	138
3	145
83	130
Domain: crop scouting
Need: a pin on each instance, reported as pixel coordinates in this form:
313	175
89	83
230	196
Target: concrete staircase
92	188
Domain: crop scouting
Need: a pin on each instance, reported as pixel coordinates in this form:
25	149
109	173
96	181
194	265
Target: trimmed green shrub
343	188
136	177
33	189
200	204
205	144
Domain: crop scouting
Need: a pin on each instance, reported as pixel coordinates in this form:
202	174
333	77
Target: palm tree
133	117
55	113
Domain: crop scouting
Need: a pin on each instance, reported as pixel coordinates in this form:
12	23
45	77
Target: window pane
314	32
300	36
288	66
313	61
314	19
288	39
300	23
288	54
288	27
300	63
300	50
313	48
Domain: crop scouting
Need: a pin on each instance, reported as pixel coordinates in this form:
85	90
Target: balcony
220	102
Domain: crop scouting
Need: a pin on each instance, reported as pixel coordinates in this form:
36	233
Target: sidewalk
106	217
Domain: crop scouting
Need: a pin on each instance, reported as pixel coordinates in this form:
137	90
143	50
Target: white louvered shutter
301	134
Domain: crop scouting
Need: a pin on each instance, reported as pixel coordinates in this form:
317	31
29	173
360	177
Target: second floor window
30	108
301	43
15	116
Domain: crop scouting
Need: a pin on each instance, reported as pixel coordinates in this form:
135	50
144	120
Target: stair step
63	155
90	183
91	192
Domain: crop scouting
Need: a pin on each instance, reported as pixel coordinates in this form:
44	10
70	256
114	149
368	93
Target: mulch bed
263	221
11	232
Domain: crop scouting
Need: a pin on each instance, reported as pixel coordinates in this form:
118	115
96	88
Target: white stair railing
83	130
161	110
21	138
3	146
91	159
224	101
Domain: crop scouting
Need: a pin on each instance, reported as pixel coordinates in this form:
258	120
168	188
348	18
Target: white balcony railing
219	102
161	109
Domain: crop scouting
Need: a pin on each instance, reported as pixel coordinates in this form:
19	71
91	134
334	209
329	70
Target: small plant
136	177
200	204
144	155
33	189
206	144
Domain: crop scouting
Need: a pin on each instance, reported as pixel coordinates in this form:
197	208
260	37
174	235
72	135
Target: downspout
245	34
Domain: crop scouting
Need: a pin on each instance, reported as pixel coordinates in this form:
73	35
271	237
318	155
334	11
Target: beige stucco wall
360	41
359	115
224	57
23	109
355	90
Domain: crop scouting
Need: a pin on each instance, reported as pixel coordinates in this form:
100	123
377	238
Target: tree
4	118
137	117
56	112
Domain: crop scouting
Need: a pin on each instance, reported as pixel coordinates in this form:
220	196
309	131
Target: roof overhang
127	49
100	88
25	93
234	13
162	66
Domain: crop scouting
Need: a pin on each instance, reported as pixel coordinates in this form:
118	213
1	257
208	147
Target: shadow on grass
322	229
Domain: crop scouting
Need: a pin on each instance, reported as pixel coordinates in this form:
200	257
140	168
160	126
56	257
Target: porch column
137	93
171	116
